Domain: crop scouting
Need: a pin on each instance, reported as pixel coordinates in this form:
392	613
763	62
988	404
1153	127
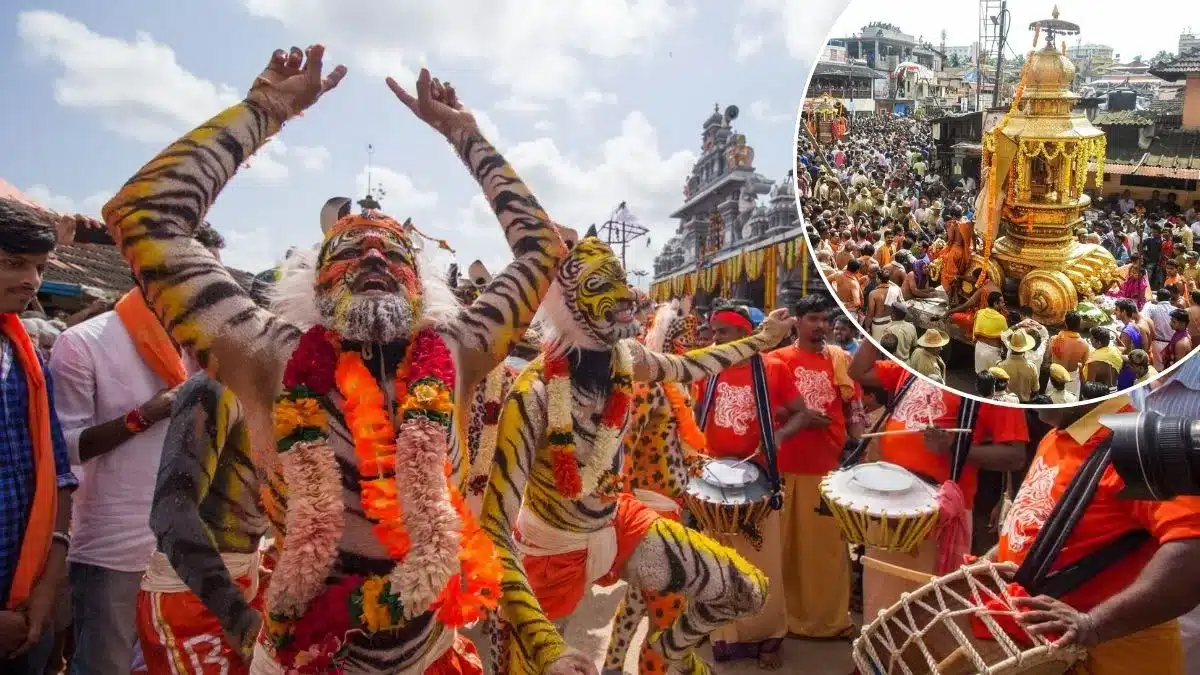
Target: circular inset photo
1002	202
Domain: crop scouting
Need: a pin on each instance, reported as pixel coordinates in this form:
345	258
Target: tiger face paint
683	334
367	286
597	293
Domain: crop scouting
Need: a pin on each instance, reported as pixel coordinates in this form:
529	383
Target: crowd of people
340	469
890	233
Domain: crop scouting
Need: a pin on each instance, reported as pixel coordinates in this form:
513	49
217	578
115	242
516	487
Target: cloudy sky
593	101
1154	25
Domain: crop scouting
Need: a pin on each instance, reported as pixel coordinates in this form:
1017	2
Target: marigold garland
689	432
468	583
593	476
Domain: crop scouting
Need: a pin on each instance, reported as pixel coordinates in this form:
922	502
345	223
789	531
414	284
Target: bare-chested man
846	286
1193	311
879	313
1070	350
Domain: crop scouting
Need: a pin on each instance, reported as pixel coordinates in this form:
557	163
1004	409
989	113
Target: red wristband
136	422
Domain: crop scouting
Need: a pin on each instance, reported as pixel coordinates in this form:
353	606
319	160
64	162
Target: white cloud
761	110
395	190
746	43
313	158
801	26
88	206
137	89
630	167
533	49
520	106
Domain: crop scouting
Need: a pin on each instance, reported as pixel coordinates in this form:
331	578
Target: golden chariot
1036	161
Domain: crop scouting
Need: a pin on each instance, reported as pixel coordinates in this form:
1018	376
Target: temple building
739	236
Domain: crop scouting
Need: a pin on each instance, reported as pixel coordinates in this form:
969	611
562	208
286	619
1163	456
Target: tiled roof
101	267
1178	67
1134	118
844	69
1178	149
1168	107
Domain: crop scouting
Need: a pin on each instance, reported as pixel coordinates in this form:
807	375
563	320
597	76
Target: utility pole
1003	18
622	227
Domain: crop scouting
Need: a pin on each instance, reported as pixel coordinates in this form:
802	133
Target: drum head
732	482
730	473
880	487
882	477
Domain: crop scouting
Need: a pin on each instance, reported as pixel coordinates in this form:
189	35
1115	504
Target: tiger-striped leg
629	615
719	584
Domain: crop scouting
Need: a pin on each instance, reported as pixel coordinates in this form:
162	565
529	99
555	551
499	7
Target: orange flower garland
475	589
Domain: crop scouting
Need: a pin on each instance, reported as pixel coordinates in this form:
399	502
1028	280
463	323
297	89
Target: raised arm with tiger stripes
363	347
554	505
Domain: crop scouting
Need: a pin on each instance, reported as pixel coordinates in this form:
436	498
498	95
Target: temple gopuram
740	236
1037	162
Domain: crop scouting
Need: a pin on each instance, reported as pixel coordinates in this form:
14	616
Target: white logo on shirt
1032	506
921	405
816	388
734	407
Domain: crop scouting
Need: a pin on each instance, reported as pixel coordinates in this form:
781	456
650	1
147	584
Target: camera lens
1156	456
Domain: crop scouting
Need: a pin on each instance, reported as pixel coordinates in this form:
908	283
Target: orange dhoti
178	633
562	566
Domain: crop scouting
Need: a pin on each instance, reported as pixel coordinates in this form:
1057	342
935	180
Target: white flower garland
599	461
493	389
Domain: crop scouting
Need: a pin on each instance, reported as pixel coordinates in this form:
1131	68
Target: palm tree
1161	56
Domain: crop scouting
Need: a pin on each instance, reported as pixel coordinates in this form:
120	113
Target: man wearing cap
904	330
926	358
1000	390
1056	388
1022	378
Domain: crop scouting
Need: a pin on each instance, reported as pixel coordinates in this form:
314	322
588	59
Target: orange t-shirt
732	429
814	451
925	402
1107	517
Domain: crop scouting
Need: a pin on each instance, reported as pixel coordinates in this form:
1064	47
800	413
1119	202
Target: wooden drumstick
897	571
892	432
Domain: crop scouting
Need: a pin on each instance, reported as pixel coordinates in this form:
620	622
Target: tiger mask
591	304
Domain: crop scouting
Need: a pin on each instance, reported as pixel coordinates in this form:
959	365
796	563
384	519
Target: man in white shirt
115	377
1159	313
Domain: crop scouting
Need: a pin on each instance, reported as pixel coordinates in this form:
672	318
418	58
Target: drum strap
853	457
968	414
1034	573
766	423
710	392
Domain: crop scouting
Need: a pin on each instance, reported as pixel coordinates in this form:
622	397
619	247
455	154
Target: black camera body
1158	457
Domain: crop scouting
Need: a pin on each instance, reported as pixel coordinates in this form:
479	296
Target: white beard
377	319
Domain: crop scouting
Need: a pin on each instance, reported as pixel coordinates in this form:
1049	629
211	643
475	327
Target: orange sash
35	547
150	338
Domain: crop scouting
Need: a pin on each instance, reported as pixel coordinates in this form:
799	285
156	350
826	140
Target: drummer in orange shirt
997	443
1124	615
817	575
732	432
